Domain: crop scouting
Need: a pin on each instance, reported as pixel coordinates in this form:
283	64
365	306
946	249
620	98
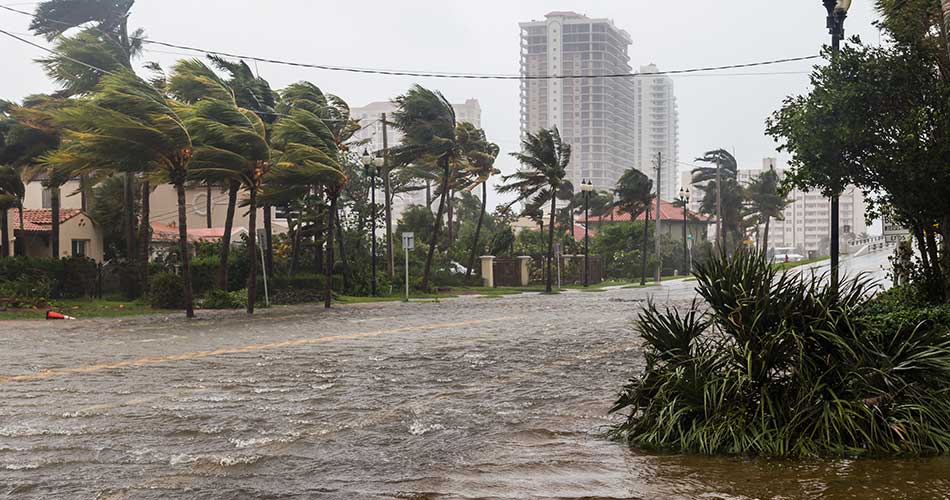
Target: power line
447	75
474	76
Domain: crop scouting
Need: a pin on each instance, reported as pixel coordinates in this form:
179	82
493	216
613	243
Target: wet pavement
468	398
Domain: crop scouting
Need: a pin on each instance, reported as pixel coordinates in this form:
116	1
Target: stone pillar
488	271
524	270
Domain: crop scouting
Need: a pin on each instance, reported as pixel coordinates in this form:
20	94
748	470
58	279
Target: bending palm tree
308	159
427	122
480	168
721	180
546	159
230	142
766	201
132	123
633	196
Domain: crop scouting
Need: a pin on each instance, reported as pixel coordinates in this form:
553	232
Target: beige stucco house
79	235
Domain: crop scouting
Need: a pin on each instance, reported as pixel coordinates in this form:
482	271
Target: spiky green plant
780	364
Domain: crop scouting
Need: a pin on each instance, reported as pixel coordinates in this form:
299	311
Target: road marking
47	374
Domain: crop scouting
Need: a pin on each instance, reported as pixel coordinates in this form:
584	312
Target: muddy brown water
464	399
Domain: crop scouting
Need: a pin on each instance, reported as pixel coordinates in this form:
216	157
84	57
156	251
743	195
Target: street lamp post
684	199
587	187
370	164
837	13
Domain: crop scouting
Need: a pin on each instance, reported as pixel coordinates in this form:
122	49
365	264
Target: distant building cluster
612	123
806	223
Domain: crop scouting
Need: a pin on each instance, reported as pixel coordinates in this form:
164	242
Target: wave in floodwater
508	410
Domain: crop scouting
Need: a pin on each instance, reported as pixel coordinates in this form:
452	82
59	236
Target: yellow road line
47	374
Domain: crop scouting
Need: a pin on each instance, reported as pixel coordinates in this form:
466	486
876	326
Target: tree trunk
428	194
208	204
252	250
183	248
765	237
145	231
54	230
434	238
128	185
934	253
549	284
5	233
268	241
225	255
478	230
644	247
84	192
922	247
328	286
450	212
343	263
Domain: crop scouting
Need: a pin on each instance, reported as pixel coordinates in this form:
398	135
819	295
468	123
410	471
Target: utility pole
387	188
656	236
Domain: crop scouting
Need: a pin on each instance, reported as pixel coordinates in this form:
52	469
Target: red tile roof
41	220
668	212
578	232
169	233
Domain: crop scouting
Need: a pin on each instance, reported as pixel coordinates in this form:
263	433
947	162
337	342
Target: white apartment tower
594	115
656	123
807	219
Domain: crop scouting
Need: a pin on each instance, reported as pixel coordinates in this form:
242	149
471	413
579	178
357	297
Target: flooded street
464	399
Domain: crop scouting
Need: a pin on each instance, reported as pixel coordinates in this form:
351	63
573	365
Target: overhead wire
441	74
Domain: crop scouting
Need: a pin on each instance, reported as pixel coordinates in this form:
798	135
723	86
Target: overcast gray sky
483	37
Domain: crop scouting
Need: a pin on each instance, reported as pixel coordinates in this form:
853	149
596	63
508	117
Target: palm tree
427	122
253	93
308	160
479	169
633	195
546	159
723	193
130	122
230	143
36	134
104	42
766	201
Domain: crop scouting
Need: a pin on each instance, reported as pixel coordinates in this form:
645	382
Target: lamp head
366	159
587	186
379	161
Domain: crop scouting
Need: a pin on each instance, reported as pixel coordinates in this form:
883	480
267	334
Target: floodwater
464	399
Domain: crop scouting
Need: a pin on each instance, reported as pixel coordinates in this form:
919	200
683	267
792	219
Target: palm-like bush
782	365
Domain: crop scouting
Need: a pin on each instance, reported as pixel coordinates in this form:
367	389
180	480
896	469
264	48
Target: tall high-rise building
657	129
594	115
370	117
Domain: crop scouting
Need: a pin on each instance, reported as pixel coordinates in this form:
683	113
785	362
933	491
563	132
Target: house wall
33	198
164	208
81	227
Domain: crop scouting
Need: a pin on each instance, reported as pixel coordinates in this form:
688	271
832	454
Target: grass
350	299
781	266
85	308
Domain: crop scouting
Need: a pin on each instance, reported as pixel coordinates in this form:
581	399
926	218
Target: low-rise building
79	235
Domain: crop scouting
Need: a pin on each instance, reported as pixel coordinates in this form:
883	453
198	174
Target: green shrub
166	291
26	292
219	299
79	277
780	364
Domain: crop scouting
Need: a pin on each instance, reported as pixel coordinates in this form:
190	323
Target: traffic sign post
408	243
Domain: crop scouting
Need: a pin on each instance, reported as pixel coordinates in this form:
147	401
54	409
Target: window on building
47	198
79	248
